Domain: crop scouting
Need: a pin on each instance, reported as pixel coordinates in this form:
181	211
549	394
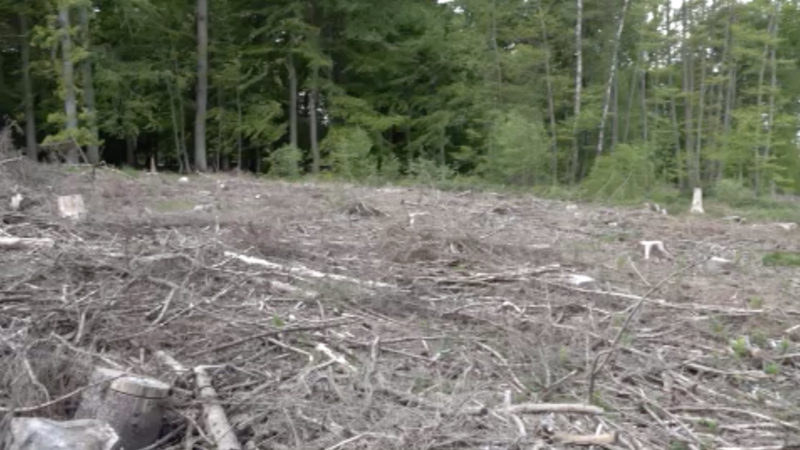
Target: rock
33	433
572	207
183	180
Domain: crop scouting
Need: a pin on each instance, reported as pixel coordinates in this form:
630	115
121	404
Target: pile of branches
301	354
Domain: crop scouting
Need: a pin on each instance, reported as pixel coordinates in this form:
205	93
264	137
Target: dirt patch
442	320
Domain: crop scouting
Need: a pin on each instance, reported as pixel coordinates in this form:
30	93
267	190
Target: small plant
784	346
710	424
278	322
771	368
759	338
285	161
740	347
678	445
784	259
755	302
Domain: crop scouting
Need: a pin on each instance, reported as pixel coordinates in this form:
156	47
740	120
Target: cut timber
15	243
586	440
655	248
71	206
697	201
300	270
214	417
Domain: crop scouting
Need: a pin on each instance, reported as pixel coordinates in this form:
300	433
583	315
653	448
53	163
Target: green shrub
627	175
428	171
348	150
519	154
786	259
734	193
285	161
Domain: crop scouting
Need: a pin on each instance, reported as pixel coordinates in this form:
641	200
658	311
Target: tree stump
132	404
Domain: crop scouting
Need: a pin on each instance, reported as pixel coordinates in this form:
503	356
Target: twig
268	334
598	366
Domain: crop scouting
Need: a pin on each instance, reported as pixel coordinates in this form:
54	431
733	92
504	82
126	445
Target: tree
202	87
31	144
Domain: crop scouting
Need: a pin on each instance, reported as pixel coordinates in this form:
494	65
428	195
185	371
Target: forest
620	97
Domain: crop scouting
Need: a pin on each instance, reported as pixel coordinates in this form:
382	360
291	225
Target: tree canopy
624	95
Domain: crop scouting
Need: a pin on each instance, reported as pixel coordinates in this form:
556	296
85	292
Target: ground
335	316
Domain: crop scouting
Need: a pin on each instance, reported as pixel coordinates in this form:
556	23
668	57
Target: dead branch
298	269
16	243
585	439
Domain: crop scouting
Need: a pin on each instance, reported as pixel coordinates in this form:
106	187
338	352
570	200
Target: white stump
697	201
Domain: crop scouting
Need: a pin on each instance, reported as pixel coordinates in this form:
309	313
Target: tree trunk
578	86
673	108
202	87
220	117
688	90
175	133
612	73
759	103
239	143
31	147
292	101
643	73
615	115
131	144
551	109
773	85
312	118
67	78
93	150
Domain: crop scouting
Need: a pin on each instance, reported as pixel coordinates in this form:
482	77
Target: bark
27	89
68	79
551	110
292	101
312	127
612	73
578	86
92	149
202	87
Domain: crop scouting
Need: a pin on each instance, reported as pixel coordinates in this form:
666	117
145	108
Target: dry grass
476	306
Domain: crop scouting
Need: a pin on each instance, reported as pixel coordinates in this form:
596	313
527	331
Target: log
214	417
539	408
17	243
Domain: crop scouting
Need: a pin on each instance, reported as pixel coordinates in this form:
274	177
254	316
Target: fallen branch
16	243
585	439
300	270
271	333
216	421
538	408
